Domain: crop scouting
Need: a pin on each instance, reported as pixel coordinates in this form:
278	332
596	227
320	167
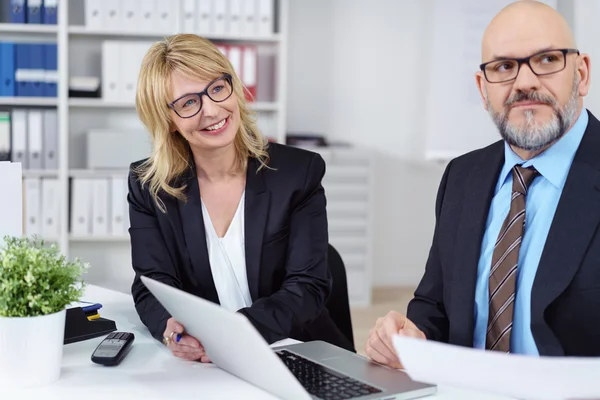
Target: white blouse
227	259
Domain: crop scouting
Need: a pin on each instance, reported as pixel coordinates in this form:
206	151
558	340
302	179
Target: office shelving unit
79	52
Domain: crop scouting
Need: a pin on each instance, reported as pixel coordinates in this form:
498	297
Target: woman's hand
181	344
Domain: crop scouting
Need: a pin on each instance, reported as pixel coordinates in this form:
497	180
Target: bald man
515	261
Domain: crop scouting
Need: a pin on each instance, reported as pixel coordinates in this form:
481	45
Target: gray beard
534	136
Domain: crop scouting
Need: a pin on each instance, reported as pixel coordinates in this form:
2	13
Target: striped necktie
505	259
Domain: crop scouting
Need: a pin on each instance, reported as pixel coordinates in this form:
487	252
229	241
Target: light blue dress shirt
541	201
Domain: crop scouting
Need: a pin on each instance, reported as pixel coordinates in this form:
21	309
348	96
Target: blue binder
51	67
50	12
34	12
23	87
7	69
17	11
36	63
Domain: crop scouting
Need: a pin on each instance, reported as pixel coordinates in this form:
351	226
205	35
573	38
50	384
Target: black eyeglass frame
227	77
526	60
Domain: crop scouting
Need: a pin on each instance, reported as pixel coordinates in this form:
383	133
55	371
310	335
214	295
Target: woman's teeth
216	126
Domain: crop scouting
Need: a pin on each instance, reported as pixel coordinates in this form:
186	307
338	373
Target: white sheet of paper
11	200
518	376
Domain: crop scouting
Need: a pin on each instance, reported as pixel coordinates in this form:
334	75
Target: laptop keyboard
322	382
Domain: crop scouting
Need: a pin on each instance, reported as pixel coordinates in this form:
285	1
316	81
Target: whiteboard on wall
456	121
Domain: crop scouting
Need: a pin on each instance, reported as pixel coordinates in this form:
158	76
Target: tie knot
522	178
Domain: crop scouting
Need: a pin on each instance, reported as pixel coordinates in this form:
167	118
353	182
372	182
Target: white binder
33	206
204	17
111	18
94	10
235	17
50	141
147	15
131	15
188	17
235	57
51	200
249	18
100	207
4	136
19	137
111	79
219	17
34	139
265	17
164	16
118	209
81	207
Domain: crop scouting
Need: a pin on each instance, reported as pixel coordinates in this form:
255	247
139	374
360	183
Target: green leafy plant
36	279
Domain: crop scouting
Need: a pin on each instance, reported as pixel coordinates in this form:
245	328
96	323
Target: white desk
149	371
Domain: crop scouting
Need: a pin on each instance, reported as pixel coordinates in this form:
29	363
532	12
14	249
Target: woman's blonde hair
197	58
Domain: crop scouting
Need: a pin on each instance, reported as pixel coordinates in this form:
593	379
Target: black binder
78	327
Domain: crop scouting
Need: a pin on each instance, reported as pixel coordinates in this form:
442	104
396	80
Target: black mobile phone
113	348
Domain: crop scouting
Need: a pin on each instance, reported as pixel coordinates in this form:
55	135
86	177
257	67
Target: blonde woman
219	212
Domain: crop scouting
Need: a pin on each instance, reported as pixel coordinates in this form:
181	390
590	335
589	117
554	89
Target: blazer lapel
575	222
255	212
195	235
479	191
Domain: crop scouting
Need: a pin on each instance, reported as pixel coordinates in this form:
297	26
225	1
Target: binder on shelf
93	14
34	138
235	17
18	11
81	206
33	206
249	71
50	12
50	65
23	83
111	76
234	53
7	69
131	16
4	136
51	199
249	17
100	207
219	13
222	48
147	17
19	137
34	11
36	72
164	17
204	19
118	206
50	140
188	16
111	15
265	17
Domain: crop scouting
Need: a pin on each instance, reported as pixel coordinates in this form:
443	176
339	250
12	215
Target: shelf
40	173
81	30
98	173
28	28
98	238
28	101
99	103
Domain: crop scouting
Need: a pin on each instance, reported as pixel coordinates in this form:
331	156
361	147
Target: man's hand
379	346
183	345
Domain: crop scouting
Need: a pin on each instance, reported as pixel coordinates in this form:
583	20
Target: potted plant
37	284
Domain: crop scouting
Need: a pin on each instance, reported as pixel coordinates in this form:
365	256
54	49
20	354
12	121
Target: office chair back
338	303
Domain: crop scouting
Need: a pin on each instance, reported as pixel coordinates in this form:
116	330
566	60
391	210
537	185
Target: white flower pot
31	350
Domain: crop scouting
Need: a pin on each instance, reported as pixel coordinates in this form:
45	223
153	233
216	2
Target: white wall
374	97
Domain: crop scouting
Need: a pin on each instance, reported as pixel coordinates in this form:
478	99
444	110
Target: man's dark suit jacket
565	299
286	243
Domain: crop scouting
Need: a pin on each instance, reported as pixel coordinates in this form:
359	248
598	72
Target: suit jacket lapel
479	190
255	212
195	235
575	222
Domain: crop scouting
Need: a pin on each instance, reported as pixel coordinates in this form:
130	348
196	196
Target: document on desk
517	376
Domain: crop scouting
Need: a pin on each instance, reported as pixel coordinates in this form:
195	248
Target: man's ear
479	80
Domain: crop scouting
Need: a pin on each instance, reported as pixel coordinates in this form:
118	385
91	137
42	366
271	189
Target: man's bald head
530	24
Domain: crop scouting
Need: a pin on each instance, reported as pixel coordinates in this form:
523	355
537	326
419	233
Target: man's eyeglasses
543	63
190	104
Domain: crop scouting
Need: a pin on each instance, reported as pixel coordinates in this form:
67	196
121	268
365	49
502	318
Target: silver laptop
311	370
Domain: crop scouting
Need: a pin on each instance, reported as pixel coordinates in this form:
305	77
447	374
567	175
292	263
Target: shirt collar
554	163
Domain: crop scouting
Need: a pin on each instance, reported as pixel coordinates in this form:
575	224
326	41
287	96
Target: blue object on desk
90	307
17	11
